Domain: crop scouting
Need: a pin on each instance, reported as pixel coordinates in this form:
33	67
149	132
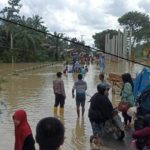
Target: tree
4	43
56	42
99	38
145	35
76	44
29	42
137	21
11	13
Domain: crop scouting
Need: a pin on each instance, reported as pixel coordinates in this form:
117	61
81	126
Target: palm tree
57	41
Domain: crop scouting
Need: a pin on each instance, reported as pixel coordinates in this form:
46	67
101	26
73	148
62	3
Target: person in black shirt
100	110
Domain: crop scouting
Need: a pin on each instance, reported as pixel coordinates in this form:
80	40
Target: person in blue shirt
80	86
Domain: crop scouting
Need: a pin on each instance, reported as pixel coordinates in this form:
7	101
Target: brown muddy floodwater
33	92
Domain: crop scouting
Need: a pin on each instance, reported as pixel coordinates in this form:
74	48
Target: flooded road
33	92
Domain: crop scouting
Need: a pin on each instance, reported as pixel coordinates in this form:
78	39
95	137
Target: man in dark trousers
59	91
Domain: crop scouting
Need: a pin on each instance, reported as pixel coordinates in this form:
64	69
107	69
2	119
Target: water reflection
33	91
59	113
78	135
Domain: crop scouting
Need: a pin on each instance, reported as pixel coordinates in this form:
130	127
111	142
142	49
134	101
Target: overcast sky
78	18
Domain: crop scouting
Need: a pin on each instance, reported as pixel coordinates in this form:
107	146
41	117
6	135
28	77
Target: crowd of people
75	68
101	109
50	132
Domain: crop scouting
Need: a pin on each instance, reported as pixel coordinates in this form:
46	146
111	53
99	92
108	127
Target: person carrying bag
127	98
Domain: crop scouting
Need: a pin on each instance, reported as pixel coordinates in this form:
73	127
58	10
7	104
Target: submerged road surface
33	92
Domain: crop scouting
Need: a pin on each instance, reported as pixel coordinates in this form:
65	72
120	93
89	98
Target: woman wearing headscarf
23	134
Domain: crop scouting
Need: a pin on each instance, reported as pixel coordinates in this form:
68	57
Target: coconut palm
56	41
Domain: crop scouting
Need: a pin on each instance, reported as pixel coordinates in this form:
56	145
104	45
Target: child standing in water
23	134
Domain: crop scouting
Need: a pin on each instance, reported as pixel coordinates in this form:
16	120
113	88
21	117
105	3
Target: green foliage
140	24
99	38
135	19
76	44
11	12
27	45
139	50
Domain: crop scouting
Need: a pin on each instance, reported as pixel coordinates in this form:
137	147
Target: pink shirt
58	87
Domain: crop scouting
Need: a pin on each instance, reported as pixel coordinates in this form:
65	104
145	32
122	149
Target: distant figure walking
77	67
23	134
102	63
80	86
59	91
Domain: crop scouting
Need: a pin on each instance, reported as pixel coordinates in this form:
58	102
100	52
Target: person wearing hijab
23	134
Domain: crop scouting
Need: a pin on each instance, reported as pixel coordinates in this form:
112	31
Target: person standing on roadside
80	86
59	91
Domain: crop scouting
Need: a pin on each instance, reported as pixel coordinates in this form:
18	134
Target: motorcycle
115	126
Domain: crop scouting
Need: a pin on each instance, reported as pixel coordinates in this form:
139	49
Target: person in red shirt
144	133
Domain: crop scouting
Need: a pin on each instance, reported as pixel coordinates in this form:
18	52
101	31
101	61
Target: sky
81	18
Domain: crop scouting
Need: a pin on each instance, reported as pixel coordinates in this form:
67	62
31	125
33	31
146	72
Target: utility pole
11	47
82	38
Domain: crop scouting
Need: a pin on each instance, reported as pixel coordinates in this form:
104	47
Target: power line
77	43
